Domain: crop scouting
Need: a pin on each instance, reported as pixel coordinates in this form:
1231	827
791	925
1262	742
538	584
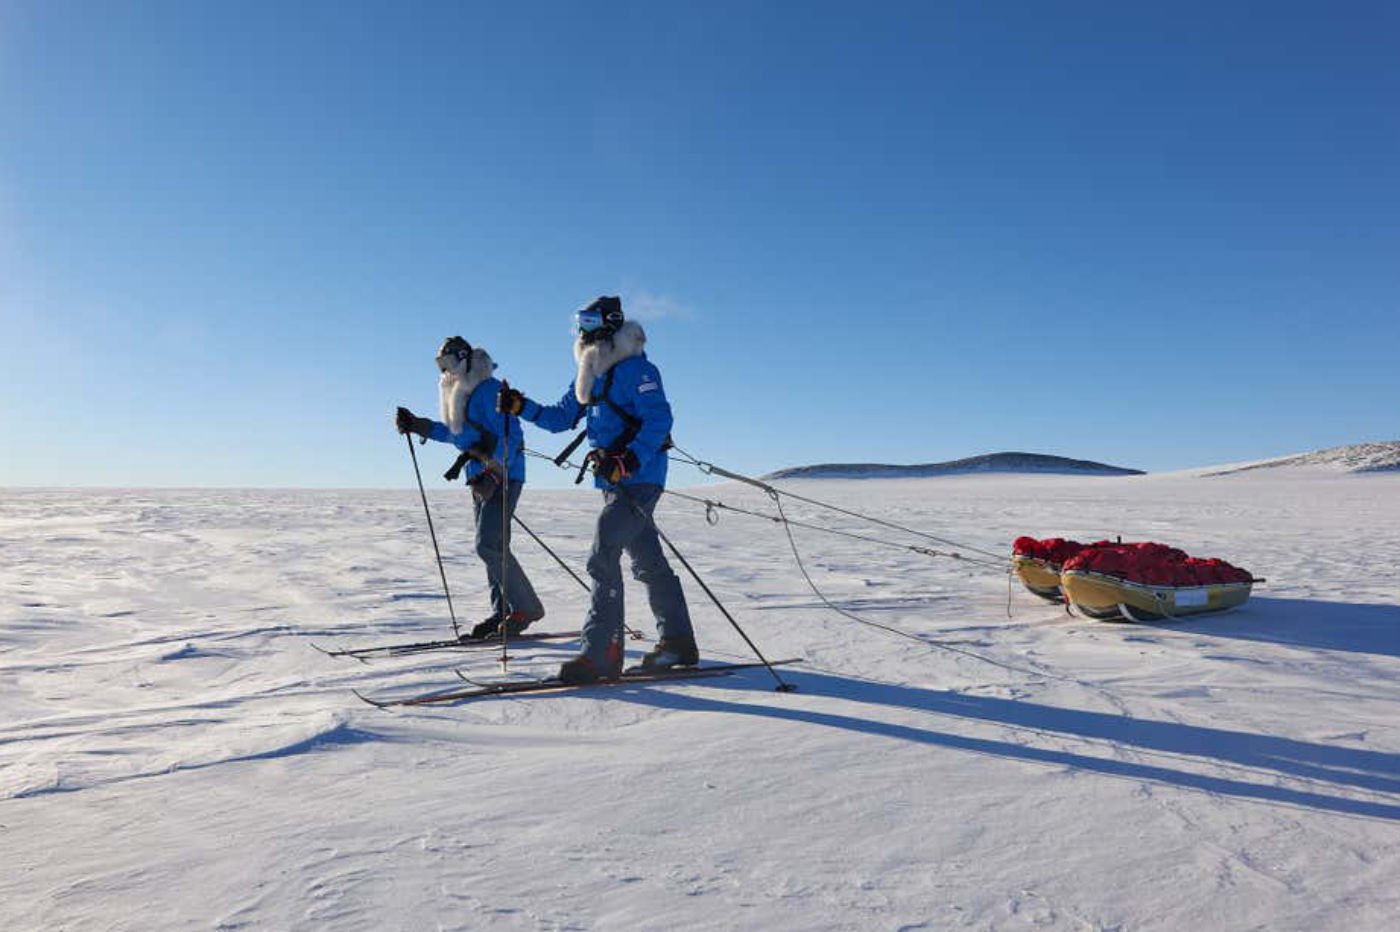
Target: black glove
484	485
509	401
614	467
409	423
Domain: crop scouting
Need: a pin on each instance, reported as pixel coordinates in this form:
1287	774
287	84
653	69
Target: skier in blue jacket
471	423
619	391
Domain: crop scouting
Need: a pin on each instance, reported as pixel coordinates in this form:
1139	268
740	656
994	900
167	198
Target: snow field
173	753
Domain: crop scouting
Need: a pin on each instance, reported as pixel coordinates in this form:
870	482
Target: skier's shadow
1266	756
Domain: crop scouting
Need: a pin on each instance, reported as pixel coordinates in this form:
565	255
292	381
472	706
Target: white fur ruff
456	385
595	359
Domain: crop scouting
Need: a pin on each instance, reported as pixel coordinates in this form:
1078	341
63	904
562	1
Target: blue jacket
481	409
636	389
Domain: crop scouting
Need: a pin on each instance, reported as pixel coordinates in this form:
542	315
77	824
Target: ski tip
340	654
366	699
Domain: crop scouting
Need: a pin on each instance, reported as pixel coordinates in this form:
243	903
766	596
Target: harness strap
634	423
568	451
624	440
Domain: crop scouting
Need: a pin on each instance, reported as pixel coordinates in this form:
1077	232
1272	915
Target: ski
418	647
554	684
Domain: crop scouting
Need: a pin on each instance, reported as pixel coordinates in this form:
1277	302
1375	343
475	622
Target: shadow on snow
1373	771
1307	623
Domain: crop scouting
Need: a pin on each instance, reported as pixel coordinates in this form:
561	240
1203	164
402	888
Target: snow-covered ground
174	754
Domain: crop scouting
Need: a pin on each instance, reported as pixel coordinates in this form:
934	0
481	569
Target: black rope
788	524
712	505
927	642
711	469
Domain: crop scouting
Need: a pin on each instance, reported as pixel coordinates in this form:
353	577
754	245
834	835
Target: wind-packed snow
174	754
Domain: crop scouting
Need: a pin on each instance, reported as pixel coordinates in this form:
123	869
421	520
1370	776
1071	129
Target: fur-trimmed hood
456	387
596	359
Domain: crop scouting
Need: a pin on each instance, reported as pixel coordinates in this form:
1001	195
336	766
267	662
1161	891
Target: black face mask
589	337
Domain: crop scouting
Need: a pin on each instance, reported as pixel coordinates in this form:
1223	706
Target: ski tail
554	684
417	647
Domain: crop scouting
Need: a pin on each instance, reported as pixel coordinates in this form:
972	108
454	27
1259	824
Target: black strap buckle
457	466
569	450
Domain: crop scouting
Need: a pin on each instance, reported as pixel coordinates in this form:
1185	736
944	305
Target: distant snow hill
986	463
1358	457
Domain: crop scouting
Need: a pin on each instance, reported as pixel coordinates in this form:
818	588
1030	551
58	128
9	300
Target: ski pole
634	635
557	559
783	686
456	632
505	531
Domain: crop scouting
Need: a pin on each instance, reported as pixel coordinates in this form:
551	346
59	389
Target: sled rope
776	496
926	642
710	469
714	506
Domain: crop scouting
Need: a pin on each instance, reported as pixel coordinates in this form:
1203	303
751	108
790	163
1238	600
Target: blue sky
233	234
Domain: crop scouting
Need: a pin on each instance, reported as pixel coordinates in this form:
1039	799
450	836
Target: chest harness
624	439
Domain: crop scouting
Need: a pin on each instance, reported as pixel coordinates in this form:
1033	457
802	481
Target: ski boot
516	622
670	652
483	629
583	669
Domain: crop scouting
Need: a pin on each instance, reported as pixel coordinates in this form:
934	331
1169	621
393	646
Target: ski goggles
449	361
588	321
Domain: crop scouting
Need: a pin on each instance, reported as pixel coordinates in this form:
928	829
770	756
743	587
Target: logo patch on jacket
647	386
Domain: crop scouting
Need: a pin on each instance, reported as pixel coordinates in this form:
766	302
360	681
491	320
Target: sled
1109	598
1039	576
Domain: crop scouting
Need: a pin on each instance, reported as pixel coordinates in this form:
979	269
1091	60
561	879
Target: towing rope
927	642
712	507
711	469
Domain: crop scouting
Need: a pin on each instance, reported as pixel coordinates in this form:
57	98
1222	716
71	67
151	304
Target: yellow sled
1108	597
1039	576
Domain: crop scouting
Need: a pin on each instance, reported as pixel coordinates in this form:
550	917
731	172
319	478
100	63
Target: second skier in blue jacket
472	424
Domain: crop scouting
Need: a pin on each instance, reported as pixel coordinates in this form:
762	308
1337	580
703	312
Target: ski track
175	755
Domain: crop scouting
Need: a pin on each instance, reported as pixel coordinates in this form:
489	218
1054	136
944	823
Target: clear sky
233	234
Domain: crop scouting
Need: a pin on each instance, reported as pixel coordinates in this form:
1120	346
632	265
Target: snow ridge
1383	456
986	463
